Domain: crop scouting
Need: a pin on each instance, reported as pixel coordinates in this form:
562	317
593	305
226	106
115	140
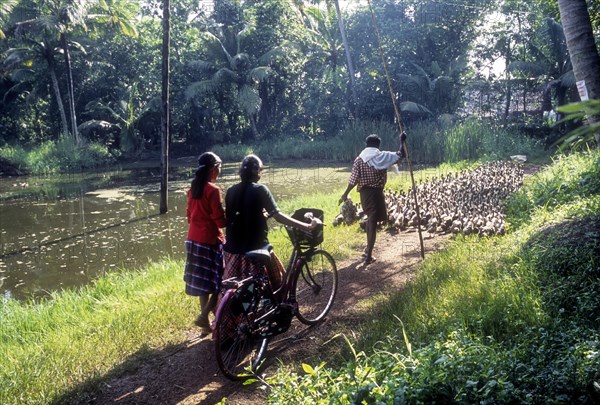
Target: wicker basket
304	238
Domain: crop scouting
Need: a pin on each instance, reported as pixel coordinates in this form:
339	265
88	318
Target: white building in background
208	6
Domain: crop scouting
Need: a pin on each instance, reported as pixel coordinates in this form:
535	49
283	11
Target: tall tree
164	184
582	48
22	61
351	74
234	80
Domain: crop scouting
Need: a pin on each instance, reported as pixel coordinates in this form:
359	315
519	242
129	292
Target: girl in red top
204	244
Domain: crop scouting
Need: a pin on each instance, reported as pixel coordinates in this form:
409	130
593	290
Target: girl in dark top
204	244
248	205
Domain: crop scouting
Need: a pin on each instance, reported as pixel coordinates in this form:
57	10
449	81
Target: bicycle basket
305	238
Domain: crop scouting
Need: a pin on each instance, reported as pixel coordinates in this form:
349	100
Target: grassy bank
508	319
75	340
428	143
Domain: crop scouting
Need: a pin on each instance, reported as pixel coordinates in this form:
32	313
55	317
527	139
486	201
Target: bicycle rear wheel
316	287
239	351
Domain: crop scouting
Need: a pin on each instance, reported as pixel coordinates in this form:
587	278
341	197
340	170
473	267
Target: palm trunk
348	57
64	127
71	93
576	24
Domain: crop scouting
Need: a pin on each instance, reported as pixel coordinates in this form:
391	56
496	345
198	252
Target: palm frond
17	57
260	73
208	36
202	66
443	85
436	70
568	79
200	88
241	35
554	33
287	49
249	100
127	28
22	75
414	86
21	87
225	75
411	106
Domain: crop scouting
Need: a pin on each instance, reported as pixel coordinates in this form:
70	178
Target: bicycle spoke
316	287
238	352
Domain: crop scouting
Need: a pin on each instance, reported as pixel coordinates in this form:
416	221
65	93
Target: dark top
245	208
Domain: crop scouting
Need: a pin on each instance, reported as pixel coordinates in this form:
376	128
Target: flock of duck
468	202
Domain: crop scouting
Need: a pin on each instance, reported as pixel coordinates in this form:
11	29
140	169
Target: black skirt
373	203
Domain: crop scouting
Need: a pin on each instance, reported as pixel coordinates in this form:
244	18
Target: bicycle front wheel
316	287
239	352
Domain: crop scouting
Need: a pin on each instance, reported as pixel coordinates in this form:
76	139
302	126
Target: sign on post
582	89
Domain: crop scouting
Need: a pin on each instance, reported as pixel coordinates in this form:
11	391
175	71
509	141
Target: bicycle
250	313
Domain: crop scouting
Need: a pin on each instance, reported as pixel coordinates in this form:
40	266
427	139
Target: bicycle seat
262	255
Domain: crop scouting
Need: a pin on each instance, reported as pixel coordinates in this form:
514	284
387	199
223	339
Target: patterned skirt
203	268
237	265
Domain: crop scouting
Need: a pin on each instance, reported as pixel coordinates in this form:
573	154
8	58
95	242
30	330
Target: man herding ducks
468	202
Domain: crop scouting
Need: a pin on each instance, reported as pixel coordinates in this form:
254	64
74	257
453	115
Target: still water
64	231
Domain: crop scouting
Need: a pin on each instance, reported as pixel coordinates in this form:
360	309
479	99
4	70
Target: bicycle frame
251	312
286	293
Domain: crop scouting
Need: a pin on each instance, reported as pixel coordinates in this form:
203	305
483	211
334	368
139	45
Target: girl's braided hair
206	161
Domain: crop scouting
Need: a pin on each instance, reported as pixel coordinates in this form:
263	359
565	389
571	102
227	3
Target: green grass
74	340
61	156
77	336
428	143
486	318
508	319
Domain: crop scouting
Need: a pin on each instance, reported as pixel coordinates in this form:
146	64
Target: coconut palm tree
432	91
22	61
575	19
323	45
60	19
347	52
233	81
121	114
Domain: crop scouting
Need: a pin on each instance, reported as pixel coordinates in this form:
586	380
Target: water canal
64	231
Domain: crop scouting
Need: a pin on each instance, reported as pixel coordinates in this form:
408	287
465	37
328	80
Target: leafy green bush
16	155
58	156
568	178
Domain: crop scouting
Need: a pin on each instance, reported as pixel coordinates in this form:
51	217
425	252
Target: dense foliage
272	70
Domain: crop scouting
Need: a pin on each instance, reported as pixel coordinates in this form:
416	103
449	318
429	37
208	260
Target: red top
206	216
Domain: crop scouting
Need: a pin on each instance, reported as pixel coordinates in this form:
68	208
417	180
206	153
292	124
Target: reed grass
429	143
61	156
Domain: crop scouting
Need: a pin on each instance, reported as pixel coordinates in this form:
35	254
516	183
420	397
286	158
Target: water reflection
64	231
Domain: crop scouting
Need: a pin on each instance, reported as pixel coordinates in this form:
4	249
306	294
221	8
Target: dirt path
190	375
